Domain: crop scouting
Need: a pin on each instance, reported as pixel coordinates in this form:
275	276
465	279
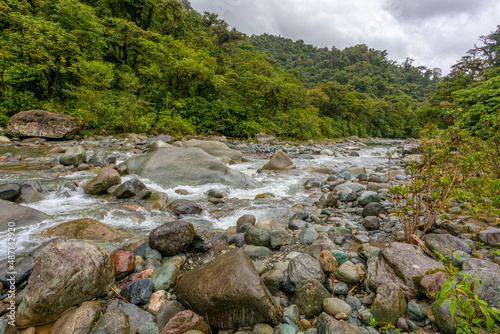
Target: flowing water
65	205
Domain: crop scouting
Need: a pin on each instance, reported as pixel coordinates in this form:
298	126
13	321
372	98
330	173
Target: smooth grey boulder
11	212
490	236
216	149
389	304
9	191
171	167
228	293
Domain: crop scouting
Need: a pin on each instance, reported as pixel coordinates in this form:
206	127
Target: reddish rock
142	275
158	299
432	283
185	321
124	262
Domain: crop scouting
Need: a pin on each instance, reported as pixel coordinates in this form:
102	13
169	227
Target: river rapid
32	162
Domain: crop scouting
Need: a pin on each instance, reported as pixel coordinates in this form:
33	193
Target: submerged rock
171	167
228	293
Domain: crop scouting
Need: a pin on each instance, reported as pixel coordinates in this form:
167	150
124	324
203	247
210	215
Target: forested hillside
159	66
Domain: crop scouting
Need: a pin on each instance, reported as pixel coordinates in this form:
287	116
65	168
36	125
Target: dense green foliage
159	66
465	111
362	90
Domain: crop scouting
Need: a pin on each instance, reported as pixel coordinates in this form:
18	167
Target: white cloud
434	33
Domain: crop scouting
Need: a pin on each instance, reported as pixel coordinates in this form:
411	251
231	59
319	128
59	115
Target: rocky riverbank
332	263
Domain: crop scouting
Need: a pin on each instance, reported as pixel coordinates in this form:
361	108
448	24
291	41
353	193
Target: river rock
254	252
489	289
171	167
308	235
113	321
4	140
309	297
171	238
257	236
280	161
106	178
228	293
490	236
432	283
371	223
140	320
304	266
75	156
400	264
329	325
280	238
333	306
349	272
328	262
263	138
273	279
389	304
322	243
368	197
78	321
123	263
184	207
374	186
340	256
444	243
99	159
168	311
41	123
129	189
356	171
84	229
373	209
64	274
244	220
138	292
216	149
31	192
9	191
19	215
185	321
473	264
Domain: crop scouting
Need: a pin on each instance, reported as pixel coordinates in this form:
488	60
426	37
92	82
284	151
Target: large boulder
84	229
19	215
489	289
216	149
106	178
171	238
280	161
303	267
228	293
64	274
171	167
401	264
41	123
263	138
309	296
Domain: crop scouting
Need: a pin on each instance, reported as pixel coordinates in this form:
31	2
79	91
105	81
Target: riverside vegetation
408	246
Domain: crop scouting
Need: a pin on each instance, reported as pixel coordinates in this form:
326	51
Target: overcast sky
436	33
